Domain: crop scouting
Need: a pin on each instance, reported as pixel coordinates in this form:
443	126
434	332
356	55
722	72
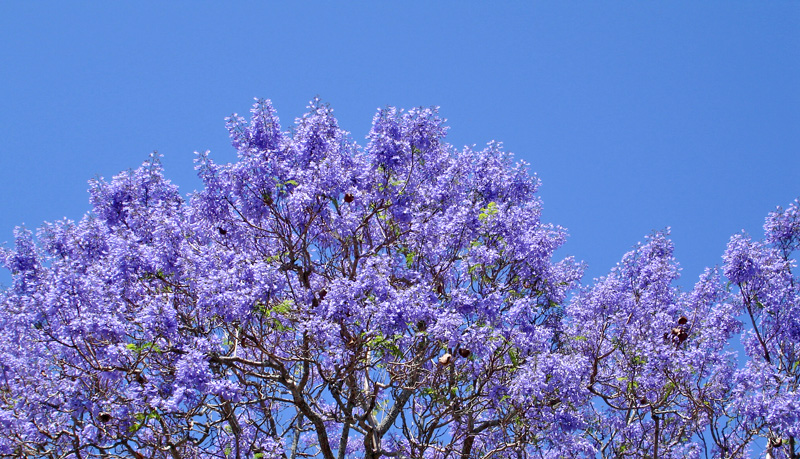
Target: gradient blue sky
635	115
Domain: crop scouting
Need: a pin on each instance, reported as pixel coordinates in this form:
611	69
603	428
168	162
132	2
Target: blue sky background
635	115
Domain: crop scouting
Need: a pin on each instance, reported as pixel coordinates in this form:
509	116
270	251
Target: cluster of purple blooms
318	298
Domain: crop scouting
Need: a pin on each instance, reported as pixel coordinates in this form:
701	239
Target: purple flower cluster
320	298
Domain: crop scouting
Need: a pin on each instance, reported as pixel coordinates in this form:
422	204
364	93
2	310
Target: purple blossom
317	298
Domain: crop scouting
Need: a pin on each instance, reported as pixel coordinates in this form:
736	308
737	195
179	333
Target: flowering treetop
319	298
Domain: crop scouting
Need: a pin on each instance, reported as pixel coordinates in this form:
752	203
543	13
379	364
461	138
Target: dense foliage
318	298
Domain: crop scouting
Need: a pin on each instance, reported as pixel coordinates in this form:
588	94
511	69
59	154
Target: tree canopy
319	298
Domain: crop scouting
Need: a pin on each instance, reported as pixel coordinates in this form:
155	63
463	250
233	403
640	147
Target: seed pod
222	231
348	198
445	359
682	320
440	289
322	294
464	352
104	417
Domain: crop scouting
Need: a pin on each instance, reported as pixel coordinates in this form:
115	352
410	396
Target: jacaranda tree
654	352
318	298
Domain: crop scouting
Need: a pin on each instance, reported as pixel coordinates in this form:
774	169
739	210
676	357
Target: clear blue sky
635	115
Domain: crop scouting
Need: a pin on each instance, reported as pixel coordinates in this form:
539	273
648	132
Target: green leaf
284	307
489	211
143	347
260	307
513	354
277	257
